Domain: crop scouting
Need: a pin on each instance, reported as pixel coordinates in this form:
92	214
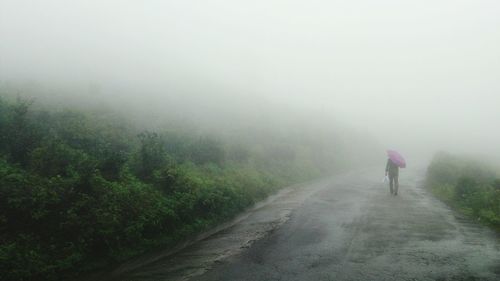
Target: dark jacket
391	168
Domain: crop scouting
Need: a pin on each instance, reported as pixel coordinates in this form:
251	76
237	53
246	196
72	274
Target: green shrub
468	185
79	192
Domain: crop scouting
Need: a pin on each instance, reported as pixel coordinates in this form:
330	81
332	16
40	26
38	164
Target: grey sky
417	74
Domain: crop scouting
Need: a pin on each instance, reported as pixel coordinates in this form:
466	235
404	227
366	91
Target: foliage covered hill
80	191
468	185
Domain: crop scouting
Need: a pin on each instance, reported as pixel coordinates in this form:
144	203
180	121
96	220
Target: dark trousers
394	183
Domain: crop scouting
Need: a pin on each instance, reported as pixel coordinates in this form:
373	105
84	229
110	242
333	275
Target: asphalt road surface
345	228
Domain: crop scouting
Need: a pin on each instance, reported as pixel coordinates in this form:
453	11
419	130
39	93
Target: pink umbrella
396	158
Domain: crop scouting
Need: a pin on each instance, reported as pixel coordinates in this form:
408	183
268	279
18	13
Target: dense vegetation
79	191
468	185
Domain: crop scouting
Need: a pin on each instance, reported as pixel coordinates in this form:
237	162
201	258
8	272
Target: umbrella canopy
396	158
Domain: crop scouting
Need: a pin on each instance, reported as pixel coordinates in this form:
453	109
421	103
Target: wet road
346	228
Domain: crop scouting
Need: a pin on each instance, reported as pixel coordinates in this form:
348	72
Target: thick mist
418	76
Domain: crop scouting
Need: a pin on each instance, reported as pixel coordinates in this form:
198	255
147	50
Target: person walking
392	170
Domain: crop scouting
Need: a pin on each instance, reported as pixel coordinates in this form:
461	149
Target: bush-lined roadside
81	191
468	185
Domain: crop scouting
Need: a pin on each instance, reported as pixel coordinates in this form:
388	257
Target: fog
418	76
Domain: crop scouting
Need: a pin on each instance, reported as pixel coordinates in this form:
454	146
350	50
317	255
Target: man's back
391	167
